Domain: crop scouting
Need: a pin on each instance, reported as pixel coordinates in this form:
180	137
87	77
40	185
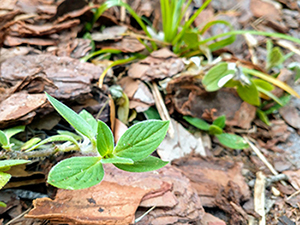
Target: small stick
239	209
161	108
259	197
263	158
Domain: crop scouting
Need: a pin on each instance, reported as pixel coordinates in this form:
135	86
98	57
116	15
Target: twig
142	216
259	197
262	158
239	209
161	107
19	216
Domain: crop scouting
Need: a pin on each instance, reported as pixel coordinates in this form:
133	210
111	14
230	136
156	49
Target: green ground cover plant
216	128
132	152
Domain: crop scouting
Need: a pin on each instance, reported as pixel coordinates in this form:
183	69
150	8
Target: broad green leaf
73	118
14	130
232	141
28	144
89	119
147	164
76	173
4	178
213	130
218	76
249	93
118	160
3	139
55	138
220	121
105	139
2	204
141	139
263	84
197	122
263	116
152	113
6	164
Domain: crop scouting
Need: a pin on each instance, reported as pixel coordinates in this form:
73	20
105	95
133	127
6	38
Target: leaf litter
41	48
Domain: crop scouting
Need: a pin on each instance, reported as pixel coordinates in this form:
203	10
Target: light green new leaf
28	144
220	121
4	178
73	118
275	58
2	204
147	164
118	160
3	139
217	77
55	138
197	122
89	119
214	130
105	139
76	173
263	84
263	116
6	164
14	130
232	141
141	139
249	93
71	134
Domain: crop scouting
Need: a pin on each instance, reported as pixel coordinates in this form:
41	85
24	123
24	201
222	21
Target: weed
216	128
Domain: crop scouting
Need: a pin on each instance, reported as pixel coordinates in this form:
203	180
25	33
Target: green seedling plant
250	84
216	128
131	153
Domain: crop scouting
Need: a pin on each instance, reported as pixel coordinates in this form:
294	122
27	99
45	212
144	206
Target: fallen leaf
184	143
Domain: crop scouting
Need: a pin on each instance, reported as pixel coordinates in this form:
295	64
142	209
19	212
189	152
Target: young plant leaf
118	160
28	144
76	173
6	164
14	130
214	130
4	178
73	118
141	139
213	80
232	141
263	116
105	139
2	204
89	119
263	84
55	138
249	93
3	139
197	122
220	121
149	163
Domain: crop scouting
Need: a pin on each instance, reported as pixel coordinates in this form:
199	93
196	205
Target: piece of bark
209	175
